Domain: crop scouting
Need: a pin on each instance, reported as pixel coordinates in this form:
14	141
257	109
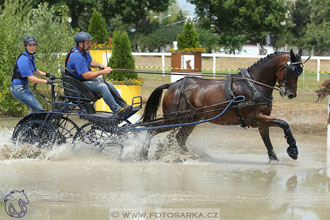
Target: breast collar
258	97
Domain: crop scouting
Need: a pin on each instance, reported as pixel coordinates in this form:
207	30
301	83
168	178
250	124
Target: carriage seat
74	87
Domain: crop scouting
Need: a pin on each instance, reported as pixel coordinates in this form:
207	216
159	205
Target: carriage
243	99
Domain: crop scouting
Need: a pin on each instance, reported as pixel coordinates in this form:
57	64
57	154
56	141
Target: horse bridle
289	66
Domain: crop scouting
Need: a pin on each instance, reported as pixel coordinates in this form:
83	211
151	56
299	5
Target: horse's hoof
184	149
144	155
272	156
292	152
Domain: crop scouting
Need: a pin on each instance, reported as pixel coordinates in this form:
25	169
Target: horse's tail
150	111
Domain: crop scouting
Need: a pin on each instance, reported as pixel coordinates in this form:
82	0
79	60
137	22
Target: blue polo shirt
79	62
26	66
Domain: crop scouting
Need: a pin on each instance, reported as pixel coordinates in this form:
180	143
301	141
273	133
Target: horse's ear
292	56
300	52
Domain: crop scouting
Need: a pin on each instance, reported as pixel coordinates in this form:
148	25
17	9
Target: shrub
324	91
54	35
188	38
97	28
10	24
122	58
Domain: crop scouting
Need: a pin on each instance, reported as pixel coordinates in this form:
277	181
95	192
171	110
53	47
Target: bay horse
193	98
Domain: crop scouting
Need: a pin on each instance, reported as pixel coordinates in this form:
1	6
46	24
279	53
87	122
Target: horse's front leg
265	120
292	150
264	132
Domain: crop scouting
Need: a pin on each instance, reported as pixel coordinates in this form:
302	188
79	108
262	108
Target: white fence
215	55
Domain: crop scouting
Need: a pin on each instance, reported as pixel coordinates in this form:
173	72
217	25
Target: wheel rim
36	133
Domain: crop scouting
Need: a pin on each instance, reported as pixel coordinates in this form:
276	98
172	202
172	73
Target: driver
79	66
24	71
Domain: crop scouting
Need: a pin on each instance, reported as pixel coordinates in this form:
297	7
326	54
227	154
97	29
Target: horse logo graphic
14	200
187	62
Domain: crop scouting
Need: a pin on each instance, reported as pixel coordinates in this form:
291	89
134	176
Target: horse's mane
269	56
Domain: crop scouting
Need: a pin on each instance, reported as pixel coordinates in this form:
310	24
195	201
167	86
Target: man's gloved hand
50	82
50	76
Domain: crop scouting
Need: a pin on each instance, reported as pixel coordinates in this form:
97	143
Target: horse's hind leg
183	135
146	145
264	132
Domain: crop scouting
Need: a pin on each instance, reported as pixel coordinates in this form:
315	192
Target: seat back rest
73	87
89	108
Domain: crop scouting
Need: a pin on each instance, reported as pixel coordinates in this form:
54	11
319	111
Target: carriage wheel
36	133
66	129
103	137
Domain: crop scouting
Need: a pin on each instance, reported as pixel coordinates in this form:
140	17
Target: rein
204	75
259	83
221	74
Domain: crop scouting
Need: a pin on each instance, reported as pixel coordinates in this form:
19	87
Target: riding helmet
30	40
82	36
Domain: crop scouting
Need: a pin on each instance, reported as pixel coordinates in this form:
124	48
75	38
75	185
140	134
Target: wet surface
226	168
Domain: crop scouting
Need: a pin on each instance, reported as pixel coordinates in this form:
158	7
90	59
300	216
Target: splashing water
9	151
67	151
168	150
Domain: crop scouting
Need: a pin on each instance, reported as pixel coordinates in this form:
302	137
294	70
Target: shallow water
227	168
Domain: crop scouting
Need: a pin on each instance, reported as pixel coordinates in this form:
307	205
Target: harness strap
230	96
67	59
16	74
182	92
258	97
68	71
228	87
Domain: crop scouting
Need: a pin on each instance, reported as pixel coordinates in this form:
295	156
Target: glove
50	76
50	82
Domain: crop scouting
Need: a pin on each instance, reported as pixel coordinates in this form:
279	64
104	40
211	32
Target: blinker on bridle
298	66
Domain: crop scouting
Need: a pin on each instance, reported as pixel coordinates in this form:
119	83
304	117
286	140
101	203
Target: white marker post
328	142
328	137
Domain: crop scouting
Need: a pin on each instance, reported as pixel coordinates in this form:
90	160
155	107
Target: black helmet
82	36
30	40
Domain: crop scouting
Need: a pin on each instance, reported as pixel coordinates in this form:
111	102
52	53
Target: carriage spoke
100	137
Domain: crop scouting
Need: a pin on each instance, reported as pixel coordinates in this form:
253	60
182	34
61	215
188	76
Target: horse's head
288	74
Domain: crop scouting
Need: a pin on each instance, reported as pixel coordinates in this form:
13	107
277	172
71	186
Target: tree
300	18
132	11
97	28
317	38
239	22
189	37
208	39
79	11
122	57
320	11
318	31
159	39
129	11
